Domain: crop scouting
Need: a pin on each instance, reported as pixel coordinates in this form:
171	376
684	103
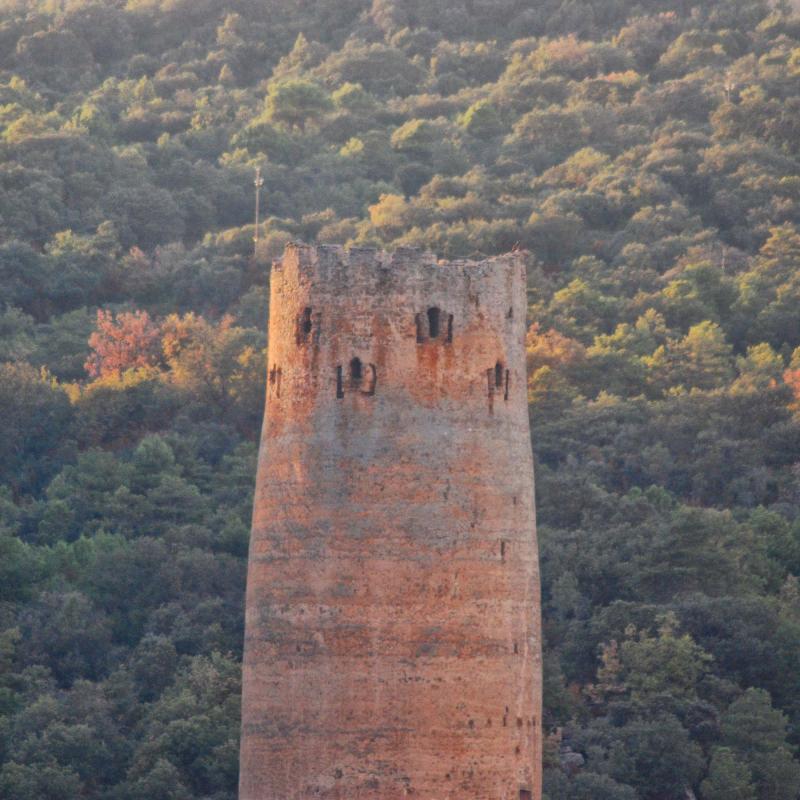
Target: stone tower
392	632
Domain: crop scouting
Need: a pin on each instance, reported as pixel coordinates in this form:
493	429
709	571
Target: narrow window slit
356	370
339	384
505	393
503	551
510	314
275	379
498	374
304	325
516	649
433	322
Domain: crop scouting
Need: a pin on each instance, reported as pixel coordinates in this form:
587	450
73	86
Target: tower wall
392	631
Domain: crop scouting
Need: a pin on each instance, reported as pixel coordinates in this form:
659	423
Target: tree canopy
644	155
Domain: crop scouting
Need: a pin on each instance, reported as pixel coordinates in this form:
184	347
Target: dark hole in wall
524	794
356	370
498	374
449	337
510	313
339	386
502	551
275	380
433	322
304	325
505	394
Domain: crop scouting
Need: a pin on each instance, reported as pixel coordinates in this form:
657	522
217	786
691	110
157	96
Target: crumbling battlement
334	267
392	633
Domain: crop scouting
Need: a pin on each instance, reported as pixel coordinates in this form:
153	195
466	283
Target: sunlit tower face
392	635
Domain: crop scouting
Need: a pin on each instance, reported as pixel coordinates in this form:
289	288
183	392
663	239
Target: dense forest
646	154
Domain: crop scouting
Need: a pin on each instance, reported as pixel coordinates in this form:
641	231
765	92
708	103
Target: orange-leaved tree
128	340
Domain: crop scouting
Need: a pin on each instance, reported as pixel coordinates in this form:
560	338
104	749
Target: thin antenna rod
258	183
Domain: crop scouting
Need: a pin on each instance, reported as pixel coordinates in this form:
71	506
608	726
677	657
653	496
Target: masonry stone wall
392	631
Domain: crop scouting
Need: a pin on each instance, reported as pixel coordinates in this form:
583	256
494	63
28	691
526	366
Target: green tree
482	119
39	782
36	415
21	567
297	102
657	758
66	633
756	733
769	291
728	778
702	359
666	663
594	786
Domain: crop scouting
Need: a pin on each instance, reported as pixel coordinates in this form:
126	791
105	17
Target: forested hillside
646	154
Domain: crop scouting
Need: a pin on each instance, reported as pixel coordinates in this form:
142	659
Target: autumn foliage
129	340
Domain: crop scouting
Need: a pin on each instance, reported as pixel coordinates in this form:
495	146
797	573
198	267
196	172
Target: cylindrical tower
392	634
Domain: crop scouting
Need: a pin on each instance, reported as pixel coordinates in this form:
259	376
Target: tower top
337	263
392	325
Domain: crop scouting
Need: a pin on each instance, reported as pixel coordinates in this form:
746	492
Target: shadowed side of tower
392	635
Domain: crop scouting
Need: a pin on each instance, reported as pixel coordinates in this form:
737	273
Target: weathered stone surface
392	635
